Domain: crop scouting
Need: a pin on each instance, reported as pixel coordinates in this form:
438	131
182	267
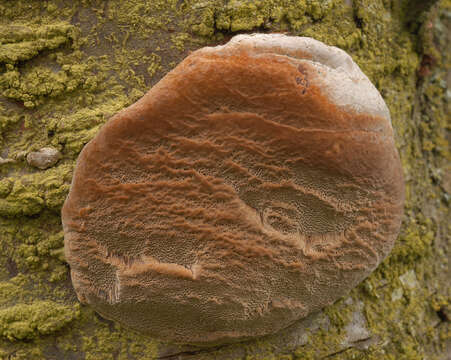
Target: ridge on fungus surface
256	183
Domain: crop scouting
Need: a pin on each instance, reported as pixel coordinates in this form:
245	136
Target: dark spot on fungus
302	80
226	204
303	83
302	69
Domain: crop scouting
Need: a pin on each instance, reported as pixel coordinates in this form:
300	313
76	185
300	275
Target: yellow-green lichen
30	194
39	82
241	15
24	321
20	42
65	67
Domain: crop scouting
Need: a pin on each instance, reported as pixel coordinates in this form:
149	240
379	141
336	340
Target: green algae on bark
65	67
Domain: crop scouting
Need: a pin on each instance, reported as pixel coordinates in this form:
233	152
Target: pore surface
254	184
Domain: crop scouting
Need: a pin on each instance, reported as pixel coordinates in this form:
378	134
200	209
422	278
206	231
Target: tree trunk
67	66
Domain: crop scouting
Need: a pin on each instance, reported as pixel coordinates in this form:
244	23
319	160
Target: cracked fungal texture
254	184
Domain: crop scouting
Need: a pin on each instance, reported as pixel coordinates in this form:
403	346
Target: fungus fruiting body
254	184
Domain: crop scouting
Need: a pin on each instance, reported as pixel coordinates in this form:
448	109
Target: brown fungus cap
254	184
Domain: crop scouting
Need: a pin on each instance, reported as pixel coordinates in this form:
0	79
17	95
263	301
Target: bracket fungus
256	183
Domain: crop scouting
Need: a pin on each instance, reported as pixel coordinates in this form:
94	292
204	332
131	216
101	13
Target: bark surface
68	66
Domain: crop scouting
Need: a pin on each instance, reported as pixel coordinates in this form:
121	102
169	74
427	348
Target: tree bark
67	66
